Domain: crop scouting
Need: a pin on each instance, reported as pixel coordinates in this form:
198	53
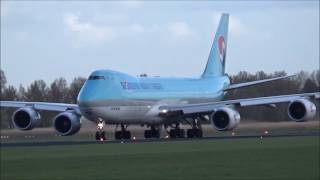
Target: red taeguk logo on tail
221	49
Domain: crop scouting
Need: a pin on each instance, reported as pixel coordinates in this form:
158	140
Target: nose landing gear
100	134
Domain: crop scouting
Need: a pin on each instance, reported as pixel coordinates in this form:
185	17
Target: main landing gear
196	129
154	132
176	132
194	132
123	133
100	134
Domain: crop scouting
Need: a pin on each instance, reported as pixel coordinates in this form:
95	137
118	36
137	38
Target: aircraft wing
205	108
60	107
246	84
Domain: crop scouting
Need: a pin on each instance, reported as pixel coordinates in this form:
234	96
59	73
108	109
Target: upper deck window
96	78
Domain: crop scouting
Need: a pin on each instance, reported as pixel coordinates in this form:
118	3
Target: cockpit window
96	78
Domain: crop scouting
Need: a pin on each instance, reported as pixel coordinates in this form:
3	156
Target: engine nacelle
301	110
25	118
225	118
67	123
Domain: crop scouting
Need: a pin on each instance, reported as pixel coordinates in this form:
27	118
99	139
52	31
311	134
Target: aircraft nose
86	93
93	90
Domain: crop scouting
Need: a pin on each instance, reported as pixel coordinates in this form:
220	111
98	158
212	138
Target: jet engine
301	110
25	118
225	118
67	123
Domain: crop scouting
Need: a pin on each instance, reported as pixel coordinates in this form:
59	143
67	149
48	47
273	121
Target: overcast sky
46	40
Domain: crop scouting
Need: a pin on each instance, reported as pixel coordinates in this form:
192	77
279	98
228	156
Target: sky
47	40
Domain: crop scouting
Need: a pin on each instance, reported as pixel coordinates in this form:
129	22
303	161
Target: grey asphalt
58	143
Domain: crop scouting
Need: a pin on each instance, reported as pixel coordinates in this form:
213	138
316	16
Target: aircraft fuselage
116	97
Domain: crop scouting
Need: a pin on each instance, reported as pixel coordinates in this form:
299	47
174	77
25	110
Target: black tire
199	133
103	135
147	134
181	133
172	133
118	135
155	134
190	133
98	136
127	135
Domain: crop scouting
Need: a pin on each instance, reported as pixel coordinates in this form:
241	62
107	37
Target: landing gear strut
100	134
123	133
196	130
152	133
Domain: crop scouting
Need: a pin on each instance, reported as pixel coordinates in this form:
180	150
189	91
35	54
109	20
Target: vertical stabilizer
217	57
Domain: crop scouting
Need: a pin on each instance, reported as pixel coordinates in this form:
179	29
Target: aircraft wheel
98	136
194	133
147	134
177	133
190	133
199	133
181	133
127	135
155	134
103	136
118	135
173	133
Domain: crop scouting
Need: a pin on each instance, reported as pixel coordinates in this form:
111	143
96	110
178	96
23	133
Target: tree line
60	91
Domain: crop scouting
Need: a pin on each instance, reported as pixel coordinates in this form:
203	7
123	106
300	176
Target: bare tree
310	86
3	82
21	93
37	91
74	88
315	77
59	91
8	94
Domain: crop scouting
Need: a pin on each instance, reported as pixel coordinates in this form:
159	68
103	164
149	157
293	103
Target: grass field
267	158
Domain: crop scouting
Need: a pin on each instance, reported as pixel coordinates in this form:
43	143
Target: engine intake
225	119
67	123
301	110
25	118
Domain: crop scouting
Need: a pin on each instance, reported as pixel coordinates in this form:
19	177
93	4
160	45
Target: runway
59	143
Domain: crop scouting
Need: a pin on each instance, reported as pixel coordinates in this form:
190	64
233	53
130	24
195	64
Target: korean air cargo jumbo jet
113	97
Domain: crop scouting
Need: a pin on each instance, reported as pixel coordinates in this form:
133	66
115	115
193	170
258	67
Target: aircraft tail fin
217	57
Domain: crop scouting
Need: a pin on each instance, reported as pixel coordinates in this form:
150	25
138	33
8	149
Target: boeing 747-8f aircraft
113	97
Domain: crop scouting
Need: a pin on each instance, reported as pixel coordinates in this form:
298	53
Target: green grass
276	158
